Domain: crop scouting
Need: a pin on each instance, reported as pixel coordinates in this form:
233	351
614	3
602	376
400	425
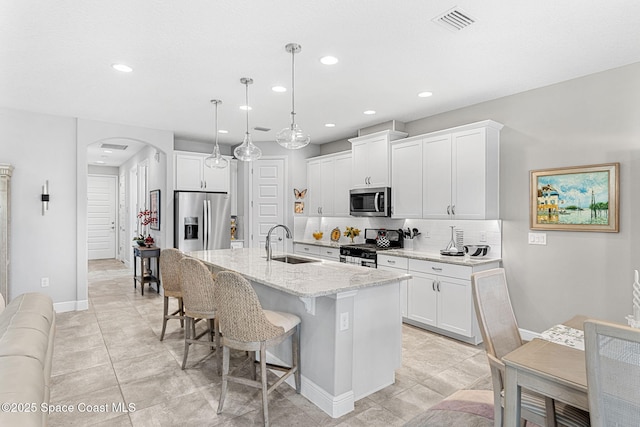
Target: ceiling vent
454	19
113	146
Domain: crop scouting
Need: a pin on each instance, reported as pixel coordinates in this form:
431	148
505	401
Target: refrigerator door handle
209	236
205	215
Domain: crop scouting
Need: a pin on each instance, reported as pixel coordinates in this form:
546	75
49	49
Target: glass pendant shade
292	137
246	151
215	160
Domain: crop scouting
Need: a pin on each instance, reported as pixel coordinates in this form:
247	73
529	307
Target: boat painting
583	198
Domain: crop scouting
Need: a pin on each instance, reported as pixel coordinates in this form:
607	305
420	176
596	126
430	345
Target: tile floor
111	355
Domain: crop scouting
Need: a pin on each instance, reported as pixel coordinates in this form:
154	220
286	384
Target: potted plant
144	219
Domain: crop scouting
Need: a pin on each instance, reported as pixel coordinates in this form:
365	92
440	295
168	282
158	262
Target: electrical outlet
483	237
426	234
537	238
44	282
344	321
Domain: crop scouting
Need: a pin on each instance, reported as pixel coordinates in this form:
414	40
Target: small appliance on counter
365	254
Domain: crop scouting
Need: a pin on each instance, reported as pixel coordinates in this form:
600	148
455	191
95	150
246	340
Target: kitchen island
351	332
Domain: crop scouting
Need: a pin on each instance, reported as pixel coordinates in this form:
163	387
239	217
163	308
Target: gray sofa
27	329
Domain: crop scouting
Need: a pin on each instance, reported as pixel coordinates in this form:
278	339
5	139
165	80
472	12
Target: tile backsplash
435	234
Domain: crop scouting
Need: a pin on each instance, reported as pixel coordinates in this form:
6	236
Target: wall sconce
45	197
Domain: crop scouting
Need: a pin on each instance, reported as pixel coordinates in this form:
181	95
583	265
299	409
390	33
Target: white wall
41	147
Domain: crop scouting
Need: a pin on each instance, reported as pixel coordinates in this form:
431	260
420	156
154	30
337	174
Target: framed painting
578	198
154	208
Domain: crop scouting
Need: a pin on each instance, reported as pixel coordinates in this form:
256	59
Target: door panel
101	216
267	189
422	299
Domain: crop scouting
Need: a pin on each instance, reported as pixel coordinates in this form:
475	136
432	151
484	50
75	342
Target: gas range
366	254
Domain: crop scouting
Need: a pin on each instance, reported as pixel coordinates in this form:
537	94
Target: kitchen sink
290	259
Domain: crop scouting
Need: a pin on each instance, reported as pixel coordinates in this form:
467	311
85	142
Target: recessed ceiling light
369	112
223	131
245	108
122	67
100	162
107	151
329	125
279	89
425	94
329	60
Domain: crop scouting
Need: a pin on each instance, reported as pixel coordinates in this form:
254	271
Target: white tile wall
435	233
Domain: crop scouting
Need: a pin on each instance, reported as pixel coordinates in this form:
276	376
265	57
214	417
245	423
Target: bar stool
198	294
170	268
244	325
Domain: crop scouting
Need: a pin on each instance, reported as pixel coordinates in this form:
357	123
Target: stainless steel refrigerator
201	221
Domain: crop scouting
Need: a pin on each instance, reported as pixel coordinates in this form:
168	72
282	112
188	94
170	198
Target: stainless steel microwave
370	201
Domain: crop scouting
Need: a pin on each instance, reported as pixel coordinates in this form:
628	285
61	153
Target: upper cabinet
192	174
371	159
328	183
457	176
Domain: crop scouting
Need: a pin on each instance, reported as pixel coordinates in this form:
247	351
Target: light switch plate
344	321
483	237
537	238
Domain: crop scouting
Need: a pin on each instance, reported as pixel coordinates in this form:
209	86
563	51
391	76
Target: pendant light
293	137
247	151
215	160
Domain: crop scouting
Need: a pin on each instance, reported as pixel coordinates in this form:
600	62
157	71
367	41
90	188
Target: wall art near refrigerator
154	208
577	198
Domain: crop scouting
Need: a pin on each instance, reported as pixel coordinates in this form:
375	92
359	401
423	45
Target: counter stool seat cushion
287	321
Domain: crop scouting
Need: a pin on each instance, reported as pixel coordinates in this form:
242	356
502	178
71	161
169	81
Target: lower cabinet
438	296
397	265
322	252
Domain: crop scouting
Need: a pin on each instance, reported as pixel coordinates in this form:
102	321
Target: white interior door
101	216
122	218
267	202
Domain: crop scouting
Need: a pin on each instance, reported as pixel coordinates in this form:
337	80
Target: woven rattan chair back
170	270
197	289
613	373
239	311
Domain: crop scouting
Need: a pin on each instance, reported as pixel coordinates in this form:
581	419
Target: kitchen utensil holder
408	244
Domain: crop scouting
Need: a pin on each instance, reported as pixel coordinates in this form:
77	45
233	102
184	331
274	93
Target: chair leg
164	317
550	411
295	356
211	333
252	357
216	326
225	373
187	332
263	380
181	308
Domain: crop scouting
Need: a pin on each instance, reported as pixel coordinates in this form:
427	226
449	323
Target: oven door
370	201
355	260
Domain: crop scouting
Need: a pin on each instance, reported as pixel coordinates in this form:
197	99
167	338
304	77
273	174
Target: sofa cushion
22	383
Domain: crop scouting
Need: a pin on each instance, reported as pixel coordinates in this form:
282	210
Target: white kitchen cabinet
371	159
397	265
461	172
406	179
328	183
191	174
314	251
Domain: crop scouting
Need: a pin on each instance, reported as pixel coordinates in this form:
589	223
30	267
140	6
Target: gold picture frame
577	198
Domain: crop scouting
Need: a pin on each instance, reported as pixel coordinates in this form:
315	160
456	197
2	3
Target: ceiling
56	56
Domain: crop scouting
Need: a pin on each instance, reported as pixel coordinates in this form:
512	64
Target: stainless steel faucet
267	245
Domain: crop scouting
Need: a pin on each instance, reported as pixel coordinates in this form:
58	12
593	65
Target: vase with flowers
144	219
351	232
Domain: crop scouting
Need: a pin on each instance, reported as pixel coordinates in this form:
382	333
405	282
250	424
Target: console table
146	274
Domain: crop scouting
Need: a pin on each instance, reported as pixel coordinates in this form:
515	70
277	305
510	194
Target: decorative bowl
317	235
476	251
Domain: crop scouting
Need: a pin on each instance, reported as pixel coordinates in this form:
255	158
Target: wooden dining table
554	370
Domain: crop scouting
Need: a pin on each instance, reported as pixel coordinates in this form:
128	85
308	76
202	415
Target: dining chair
501	336
198	285
170	272
613	373
245	326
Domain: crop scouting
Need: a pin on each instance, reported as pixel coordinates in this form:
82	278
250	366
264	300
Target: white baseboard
62	307
334	406
528	335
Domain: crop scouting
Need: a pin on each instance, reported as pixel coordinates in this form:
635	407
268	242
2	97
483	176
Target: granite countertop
435	256
311	279
323	243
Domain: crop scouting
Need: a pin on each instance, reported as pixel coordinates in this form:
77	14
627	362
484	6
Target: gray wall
590	120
